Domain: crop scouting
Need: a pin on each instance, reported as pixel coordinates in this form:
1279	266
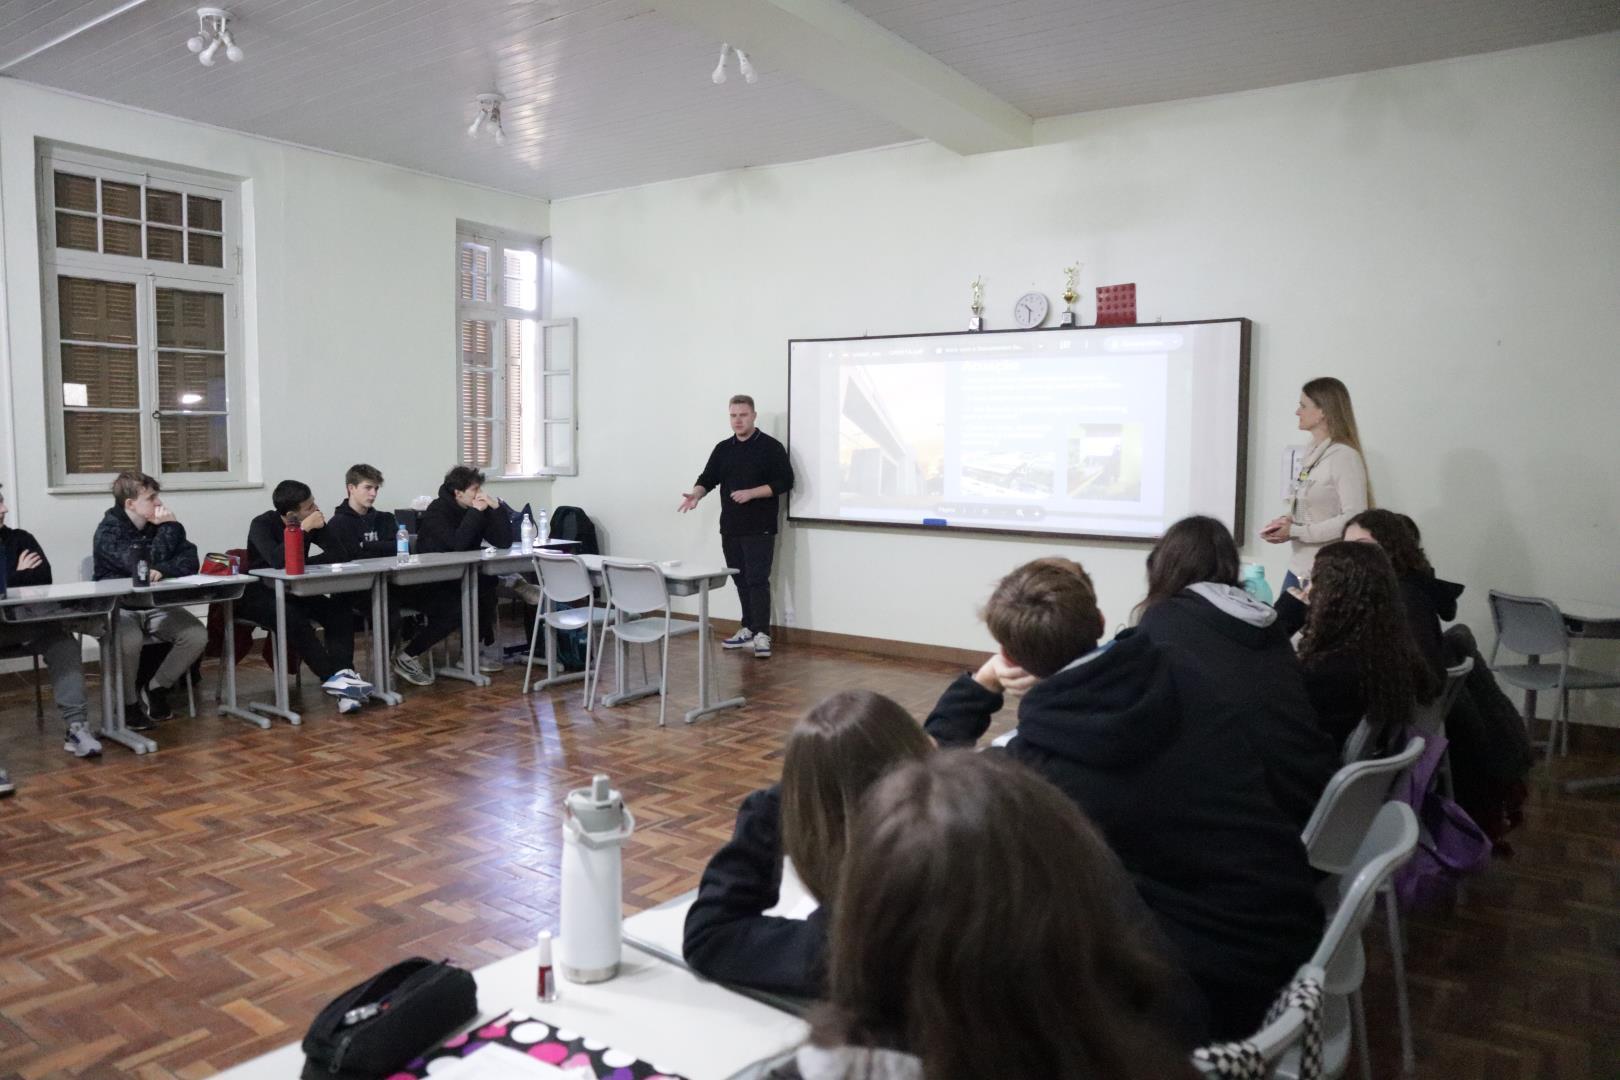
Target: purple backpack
1450	844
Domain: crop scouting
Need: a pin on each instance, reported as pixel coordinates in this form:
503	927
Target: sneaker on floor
411	670
157	703
135	718
762	646
347	705
740	639
80	743
527	591
348	683
491	658
6	786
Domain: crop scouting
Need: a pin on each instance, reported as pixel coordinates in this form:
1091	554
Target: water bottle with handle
542	532
596	824
1255	584
402	545
292	546
526	531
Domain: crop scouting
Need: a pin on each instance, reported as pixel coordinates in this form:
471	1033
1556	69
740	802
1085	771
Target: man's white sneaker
347	705
762	646
740	639
348	683
80	743
491	658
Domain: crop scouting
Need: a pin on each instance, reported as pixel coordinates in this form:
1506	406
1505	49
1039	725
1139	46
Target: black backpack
572	523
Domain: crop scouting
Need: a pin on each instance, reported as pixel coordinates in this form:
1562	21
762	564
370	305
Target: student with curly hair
1358	655
1429	600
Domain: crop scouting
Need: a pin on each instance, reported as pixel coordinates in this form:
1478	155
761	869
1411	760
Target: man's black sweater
266	548
739	464
171	554
13	542
360	536
1183	802
447	526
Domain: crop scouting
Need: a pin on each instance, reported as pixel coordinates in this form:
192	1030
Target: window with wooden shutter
143	346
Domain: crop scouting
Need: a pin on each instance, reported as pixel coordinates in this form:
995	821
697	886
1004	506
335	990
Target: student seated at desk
1179	793
1429	599
1235	659
1357	649
26	564
464	518
139	514
840	748
983	929
331	659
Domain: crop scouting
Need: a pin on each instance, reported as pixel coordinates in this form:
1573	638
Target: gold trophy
977	322
1071	274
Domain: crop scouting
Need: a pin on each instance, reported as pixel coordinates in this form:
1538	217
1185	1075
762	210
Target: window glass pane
204	213
190	320
560	446
120	200
559	397
475	443
474	273
120	238
206	250
97	310
100	378
163	206
475	343
102	442
75	231
476	390
75	192
163	244
522	280
192	443
191	380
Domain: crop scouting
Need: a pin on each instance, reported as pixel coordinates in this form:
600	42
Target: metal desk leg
283	705
381	670
705	667
227	656
119	732
468	671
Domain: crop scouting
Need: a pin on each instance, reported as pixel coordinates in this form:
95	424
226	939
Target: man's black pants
751	556
334	613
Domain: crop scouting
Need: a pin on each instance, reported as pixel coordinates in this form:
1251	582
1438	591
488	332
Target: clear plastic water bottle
543	532
1255	584
402	545
527	532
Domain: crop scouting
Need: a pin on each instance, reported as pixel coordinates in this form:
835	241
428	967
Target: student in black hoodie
839	750
138	514
1236	660
331	658
357	529
464	518
1179	793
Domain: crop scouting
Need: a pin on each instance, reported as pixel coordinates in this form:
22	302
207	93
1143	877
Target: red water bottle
293	543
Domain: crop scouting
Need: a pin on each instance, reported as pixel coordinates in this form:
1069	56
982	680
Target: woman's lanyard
1305	475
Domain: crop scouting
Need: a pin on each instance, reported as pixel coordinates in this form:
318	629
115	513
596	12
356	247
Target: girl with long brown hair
1332	485
833	755
984	929
1357	651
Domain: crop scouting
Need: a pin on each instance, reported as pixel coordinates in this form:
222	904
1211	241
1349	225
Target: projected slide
1111	431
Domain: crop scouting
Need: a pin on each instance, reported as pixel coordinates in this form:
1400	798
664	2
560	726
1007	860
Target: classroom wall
349	320
1444	237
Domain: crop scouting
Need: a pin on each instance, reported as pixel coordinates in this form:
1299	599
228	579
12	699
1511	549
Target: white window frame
557	413
148	275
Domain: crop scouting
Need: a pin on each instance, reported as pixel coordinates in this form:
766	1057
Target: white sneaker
528	592
740	639
762	646
348	683
347	705
80	743
411	670
6	786
491	658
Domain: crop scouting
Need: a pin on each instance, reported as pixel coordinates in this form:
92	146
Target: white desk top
674	570
66	590
1588	610
655	1010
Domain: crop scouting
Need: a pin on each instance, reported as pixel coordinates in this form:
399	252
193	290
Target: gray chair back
1349	805
87	568
1530	625
563	578
1429	718
634	588
1384	849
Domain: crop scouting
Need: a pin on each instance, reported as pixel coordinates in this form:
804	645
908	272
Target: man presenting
752	471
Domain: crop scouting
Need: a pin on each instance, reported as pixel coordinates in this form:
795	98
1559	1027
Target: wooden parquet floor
172	915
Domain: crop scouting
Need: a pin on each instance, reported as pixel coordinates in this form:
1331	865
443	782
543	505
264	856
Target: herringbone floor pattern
172	915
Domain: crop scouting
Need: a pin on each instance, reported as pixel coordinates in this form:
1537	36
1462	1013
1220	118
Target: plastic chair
1386	847
1339	825
638	589
564	579
1535	627
1430	720
1276	1045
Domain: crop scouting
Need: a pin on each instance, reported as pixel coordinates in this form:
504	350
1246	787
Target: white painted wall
350	315
1445	238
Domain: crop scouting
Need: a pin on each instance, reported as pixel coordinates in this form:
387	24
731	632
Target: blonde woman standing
1332	486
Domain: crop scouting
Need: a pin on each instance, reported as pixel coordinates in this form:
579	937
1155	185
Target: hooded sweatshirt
1181	797
1429	602
1235	661
171	555
361	536
446	526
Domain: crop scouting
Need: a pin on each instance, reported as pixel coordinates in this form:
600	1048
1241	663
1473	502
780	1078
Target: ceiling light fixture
744	68
719	75
213	31
489	115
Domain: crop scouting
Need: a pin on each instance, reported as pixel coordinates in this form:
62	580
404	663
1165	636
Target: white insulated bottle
596	824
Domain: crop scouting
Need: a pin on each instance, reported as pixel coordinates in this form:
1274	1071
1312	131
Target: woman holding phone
1332	485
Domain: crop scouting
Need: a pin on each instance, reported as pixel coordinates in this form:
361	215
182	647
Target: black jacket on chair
1182	799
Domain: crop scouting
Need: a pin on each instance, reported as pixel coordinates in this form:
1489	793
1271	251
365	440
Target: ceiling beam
833	47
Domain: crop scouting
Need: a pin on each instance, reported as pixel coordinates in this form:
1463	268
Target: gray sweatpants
60	650
177	626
